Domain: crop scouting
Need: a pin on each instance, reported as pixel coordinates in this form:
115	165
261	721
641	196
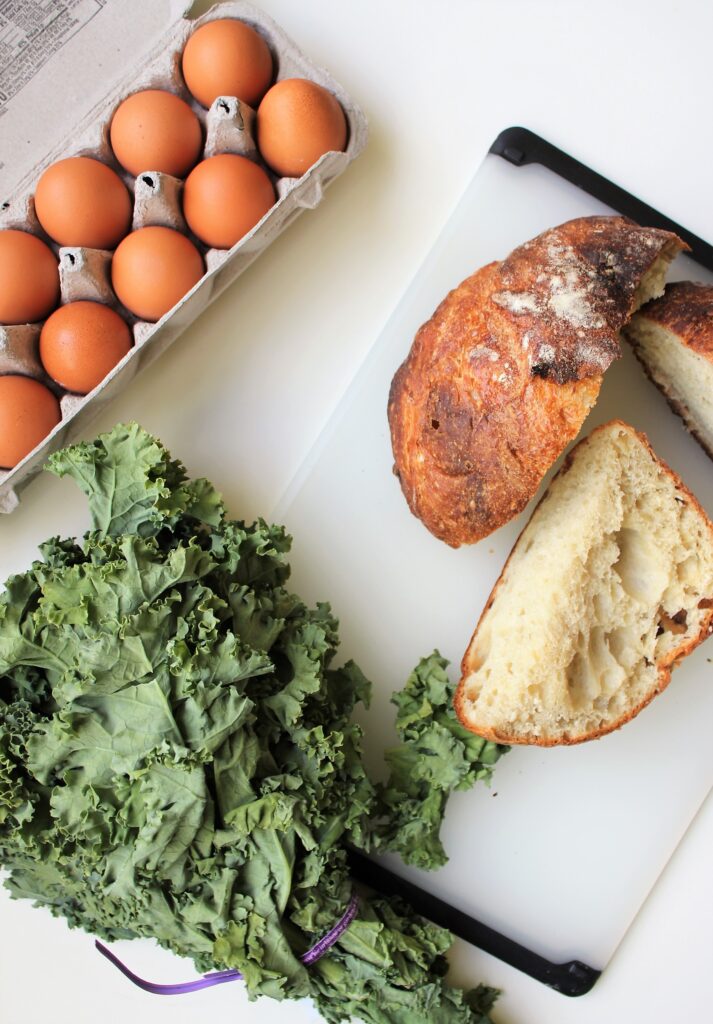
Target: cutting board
562	850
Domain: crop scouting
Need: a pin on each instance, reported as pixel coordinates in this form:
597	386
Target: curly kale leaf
132	484
437	756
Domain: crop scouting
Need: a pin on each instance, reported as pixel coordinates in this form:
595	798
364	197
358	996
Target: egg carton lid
64	43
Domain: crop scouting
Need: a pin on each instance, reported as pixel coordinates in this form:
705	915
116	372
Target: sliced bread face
673	339
608	586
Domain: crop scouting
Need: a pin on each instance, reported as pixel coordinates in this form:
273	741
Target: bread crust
665	666
686	310
500	379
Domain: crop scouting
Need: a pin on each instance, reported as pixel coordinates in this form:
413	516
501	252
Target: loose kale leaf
178	759
437	756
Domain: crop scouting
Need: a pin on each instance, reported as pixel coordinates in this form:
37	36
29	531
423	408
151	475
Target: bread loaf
500	379
609	585
673	338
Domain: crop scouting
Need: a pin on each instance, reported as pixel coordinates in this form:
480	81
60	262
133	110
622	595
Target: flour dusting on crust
517	302
581	294
568	291
572	288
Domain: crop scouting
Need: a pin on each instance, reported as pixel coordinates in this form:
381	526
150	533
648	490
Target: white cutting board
561	852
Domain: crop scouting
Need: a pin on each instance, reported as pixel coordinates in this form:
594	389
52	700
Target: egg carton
85	273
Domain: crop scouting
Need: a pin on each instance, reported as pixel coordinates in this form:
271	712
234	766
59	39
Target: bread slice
609	585
500	379
673	339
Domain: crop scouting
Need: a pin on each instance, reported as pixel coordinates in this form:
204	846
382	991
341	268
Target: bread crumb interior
603	585
685	376
653	282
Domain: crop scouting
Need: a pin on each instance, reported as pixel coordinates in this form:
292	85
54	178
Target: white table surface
622	85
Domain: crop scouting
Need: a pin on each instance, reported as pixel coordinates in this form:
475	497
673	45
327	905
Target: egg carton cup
19	352
85	274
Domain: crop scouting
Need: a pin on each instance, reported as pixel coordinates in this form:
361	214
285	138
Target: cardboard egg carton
86	273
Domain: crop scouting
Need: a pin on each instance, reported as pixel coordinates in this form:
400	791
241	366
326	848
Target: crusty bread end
500	379
673	339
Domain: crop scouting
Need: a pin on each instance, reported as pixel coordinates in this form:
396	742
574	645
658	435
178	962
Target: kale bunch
178	760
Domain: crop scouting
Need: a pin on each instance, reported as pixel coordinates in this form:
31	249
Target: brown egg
152	269
29	278
28	412
81	342
297	122
156	131
224	197
80	201
227	58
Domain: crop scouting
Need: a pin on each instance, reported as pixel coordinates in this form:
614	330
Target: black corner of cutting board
571	979
520	146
